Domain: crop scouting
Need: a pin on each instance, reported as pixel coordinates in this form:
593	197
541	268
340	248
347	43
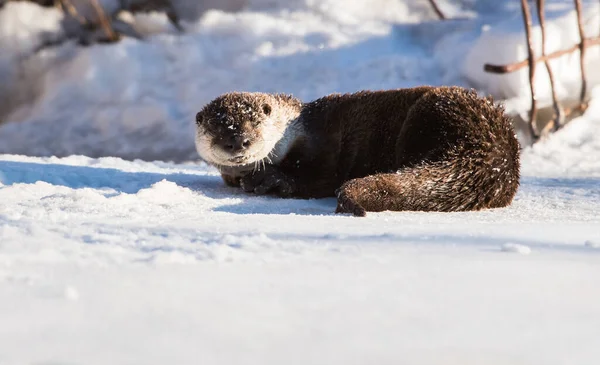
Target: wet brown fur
418	149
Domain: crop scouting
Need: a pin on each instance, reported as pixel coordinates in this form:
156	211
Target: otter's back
363	127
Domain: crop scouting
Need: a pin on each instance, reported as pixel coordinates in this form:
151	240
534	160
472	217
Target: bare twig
582	46
68	6
501	69
531	60
558	118
104	21
437	9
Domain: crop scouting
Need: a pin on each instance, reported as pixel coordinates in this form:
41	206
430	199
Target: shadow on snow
77	177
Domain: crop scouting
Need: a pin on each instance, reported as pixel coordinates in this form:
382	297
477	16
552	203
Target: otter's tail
453	184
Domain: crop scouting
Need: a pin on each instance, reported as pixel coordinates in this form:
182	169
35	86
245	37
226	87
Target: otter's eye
266	108
199	118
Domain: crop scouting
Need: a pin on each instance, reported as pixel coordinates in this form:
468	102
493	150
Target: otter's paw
268	181
347	204
231	180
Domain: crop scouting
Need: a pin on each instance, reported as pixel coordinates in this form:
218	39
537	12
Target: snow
574	151
111	254
106	260
515	247
111	100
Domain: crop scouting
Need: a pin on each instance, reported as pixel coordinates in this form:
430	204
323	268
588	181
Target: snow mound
137	99
517	248
574	150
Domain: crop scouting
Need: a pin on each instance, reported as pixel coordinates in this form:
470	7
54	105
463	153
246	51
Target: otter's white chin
239	160
258	152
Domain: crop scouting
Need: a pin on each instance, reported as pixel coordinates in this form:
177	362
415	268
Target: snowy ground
108	261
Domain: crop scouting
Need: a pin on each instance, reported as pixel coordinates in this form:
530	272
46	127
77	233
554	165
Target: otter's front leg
270	179
230	180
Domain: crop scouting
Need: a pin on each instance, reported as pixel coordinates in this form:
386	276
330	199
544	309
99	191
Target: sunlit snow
107	257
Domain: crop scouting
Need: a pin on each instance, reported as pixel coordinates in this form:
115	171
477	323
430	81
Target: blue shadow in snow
482	242
591	183
77	177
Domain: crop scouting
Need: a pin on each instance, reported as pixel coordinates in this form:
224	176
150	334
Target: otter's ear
199	118
266	108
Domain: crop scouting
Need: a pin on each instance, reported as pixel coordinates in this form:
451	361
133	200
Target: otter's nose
236	144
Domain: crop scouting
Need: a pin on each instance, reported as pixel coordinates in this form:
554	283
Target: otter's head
239	129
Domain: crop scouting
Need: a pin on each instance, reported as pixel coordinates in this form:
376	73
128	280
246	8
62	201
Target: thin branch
582	47
104	21
437	9
68	6
502	69
558	118
531	61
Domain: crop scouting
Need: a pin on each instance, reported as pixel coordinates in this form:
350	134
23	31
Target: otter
425	148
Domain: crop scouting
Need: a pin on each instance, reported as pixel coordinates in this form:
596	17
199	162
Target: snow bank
572	151
137	99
